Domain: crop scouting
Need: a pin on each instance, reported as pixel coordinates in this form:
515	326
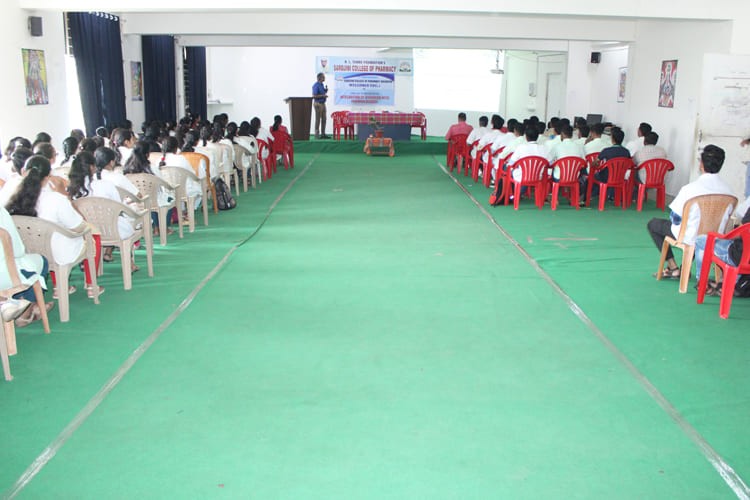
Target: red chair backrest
617	168
457	145
591	158
570	167
533	168
262	145
656	170
281	141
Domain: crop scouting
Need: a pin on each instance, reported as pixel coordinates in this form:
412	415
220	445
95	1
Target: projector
497	71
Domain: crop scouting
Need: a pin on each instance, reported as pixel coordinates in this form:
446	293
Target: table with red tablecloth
396	125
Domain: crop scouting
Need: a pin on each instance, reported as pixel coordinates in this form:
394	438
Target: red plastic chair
617	168
478	161
656	170
493	160
269	164
458	153
570	169
284	146
533	176
341	122
729	272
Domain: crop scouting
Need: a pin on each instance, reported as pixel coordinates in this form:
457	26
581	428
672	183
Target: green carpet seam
727	473
51	450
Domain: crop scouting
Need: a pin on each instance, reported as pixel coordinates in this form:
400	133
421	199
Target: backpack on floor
224	198
497	195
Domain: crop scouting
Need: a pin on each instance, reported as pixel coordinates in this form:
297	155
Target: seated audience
709	182
35	198
637	143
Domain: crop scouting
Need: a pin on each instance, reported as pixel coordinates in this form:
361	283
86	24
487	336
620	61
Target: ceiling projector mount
497	70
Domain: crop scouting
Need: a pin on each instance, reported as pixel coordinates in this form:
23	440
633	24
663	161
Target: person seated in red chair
709	182
595	142
477	133
649	151
729	251
616	150
459	128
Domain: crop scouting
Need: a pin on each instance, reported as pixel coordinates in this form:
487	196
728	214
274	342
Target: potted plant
377	128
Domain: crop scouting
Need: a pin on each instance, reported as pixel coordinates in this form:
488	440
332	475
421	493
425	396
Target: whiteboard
725	97
724	117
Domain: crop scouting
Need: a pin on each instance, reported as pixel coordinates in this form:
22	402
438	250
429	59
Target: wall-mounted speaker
596	57
35	26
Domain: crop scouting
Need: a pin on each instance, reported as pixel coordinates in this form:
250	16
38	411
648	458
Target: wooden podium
300	113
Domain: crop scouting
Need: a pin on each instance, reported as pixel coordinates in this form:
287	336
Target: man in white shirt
596	143
488	138
567	146
477	133
583	135
649	151
530	148
709	182
504	138
636	144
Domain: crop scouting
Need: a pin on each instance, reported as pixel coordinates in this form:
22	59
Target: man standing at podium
320	94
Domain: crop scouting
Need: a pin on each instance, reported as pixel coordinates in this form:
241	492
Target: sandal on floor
71	291
108	258
669	274
714	289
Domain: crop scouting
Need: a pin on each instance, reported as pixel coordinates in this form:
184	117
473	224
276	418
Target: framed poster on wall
667	82
35	74
621	84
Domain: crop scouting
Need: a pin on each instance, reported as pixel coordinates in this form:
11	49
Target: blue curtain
159	79
97	49
195	66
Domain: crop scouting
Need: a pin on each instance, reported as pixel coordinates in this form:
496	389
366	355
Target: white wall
550	64
520	71
56	117
254	81
603	81
686	42
17	117
578	86
131	51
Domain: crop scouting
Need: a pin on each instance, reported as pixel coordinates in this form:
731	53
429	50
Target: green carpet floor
379	337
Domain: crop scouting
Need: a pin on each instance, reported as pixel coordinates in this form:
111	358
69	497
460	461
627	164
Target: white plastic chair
8	343
36	234
149	186
178	176
104	214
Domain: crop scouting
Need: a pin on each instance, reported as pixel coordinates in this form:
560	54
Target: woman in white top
123	141
172	158
13	181
85	180
213	150
37	199
138	163
262	134
105	165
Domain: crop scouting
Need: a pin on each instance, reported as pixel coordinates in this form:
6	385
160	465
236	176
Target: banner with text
364	81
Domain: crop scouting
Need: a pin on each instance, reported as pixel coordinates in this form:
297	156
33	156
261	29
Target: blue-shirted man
320	94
